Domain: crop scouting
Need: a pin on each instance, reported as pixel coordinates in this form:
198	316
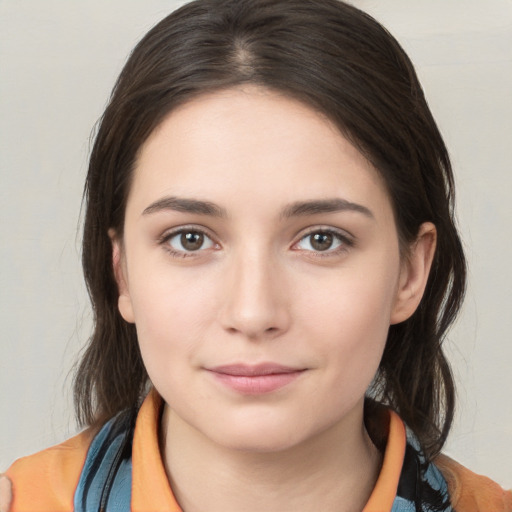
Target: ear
124	302
414	273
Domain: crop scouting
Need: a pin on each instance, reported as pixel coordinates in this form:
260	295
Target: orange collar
384	492
148	474
149	477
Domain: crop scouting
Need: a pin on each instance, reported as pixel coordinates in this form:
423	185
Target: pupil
192	241
321	241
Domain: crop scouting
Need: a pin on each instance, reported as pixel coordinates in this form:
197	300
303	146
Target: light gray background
58	62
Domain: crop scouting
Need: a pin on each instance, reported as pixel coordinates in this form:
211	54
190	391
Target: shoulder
470	492
46	481
422	484
68	476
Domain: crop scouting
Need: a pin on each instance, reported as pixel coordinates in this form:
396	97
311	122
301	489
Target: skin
5	493
259	290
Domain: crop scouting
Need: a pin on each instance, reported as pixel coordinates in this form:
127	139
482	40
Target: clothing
120	466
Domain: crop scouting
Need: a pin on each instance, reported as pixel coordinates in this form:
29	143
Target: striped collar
124	470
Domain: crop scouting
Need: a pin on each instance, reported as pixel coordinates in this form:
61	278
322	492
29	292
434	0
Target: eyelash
164	241
345	241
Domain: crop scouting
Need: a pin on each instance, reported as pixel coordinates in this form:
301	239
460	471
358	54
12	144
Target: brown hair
338	60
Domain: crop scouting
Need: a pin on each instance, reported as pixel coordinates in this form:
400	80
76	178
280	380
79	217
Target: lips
255	379
244	370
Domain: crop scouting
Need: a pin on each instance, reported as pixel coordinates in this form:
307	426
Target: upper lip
252	370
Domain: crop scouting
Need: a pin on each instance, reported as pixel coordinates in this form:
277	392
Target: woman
270	251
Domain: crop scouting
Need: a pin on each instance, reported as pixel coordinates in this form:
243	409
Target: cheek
172	311
351	300
350	320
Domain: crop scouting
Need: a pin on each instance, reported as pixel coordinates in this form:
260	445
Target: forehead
247	142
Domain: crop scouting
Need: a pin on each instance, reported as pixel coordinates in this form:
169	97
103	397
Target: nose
255	303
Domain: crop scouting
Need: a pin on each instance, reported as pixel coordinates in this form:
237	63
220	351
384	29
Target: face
260	264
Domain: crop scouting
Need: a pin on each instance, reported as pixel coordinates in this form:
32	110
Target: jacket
119	468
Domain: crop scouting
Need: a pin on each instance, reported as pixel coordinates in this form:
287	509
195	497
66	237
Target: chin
261	436
263	442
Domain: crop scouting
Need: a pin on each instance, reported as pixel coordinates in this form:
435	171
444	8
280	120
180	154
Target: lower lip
257	384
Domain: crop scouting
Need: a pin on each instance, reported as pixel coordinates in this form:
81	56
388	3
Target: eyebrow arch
299	208
324	206
185	205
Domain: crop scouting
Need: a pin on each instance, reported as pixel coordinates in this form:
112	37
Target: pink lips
255	379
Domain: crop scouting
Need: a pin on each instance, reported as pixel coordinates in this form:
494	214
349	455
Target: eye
186	241
324	241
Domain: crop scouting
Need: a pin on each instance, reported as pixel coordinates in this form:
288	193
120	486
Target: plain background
58	62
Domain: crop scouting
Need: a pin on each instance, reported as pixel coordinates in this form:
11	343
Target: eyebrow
186	205
296	209
315	207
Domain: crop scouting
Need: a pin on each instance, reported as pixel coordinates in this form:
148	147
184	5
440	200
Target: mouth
255	379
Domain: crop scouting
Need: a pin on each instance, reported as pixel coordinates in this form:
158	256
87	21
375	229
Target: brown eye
187	241
322	241
192	241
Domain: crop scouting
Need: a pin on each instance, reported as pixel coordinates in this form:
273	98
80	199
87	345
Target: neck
308	477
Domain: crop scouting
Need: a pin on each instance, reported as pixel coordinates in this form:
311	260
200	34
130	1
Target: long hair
339	61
